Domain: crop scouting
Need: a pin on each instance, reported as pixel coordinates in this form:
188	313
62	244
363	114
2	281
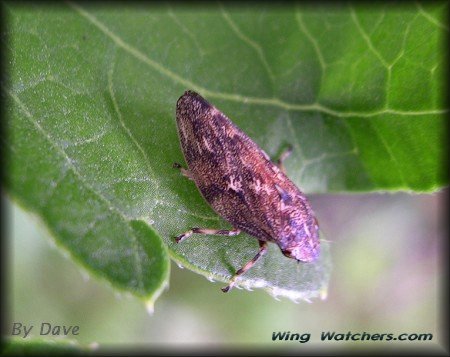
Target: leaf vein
431	18
93	139
126	129
256	46
326	156
389	151
185	30
301	24
366	38
70	166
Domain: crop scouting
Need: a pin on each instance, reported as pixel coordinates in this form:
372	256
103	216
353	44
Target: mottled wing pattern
231	172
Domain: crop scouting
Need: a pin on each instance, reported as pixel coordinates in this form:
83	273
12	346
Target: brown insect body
240	182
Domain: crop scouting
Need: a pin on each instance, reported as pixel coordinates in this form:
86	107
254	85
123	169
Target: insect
242	185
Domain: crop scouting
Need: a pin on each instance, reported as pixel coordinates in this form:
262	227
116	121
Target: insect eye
287	253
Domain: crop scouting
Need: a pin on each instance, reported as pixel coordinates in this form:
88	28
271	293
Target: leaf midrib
275	102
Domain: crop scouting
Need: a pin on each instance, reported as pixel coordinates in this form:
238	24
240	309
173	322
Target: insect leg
261	252
222	232
184	172
284	155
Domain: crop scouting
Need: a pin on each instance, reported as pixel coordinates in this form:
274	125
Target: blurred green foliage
385	279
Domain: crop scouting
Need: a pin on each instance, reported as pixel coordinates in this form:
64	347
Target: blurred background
386	278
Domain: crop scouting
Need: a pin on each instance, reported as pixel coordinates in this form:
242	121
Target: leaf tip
150	302
150	306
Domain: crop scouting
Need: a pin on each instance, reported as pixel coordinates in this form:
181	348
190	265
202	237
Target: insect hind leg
221	232
262	250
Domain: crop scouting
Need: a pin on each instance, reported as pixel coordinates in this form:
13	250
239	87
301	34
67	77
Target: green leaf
356	89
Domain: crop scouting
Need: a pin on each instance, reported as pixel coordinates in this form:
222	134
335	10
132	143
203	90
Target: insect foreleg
222	232
284	155
184	172
261	252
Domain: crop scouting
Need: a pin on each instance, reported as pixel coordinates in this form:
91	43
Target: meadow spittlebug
242	185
